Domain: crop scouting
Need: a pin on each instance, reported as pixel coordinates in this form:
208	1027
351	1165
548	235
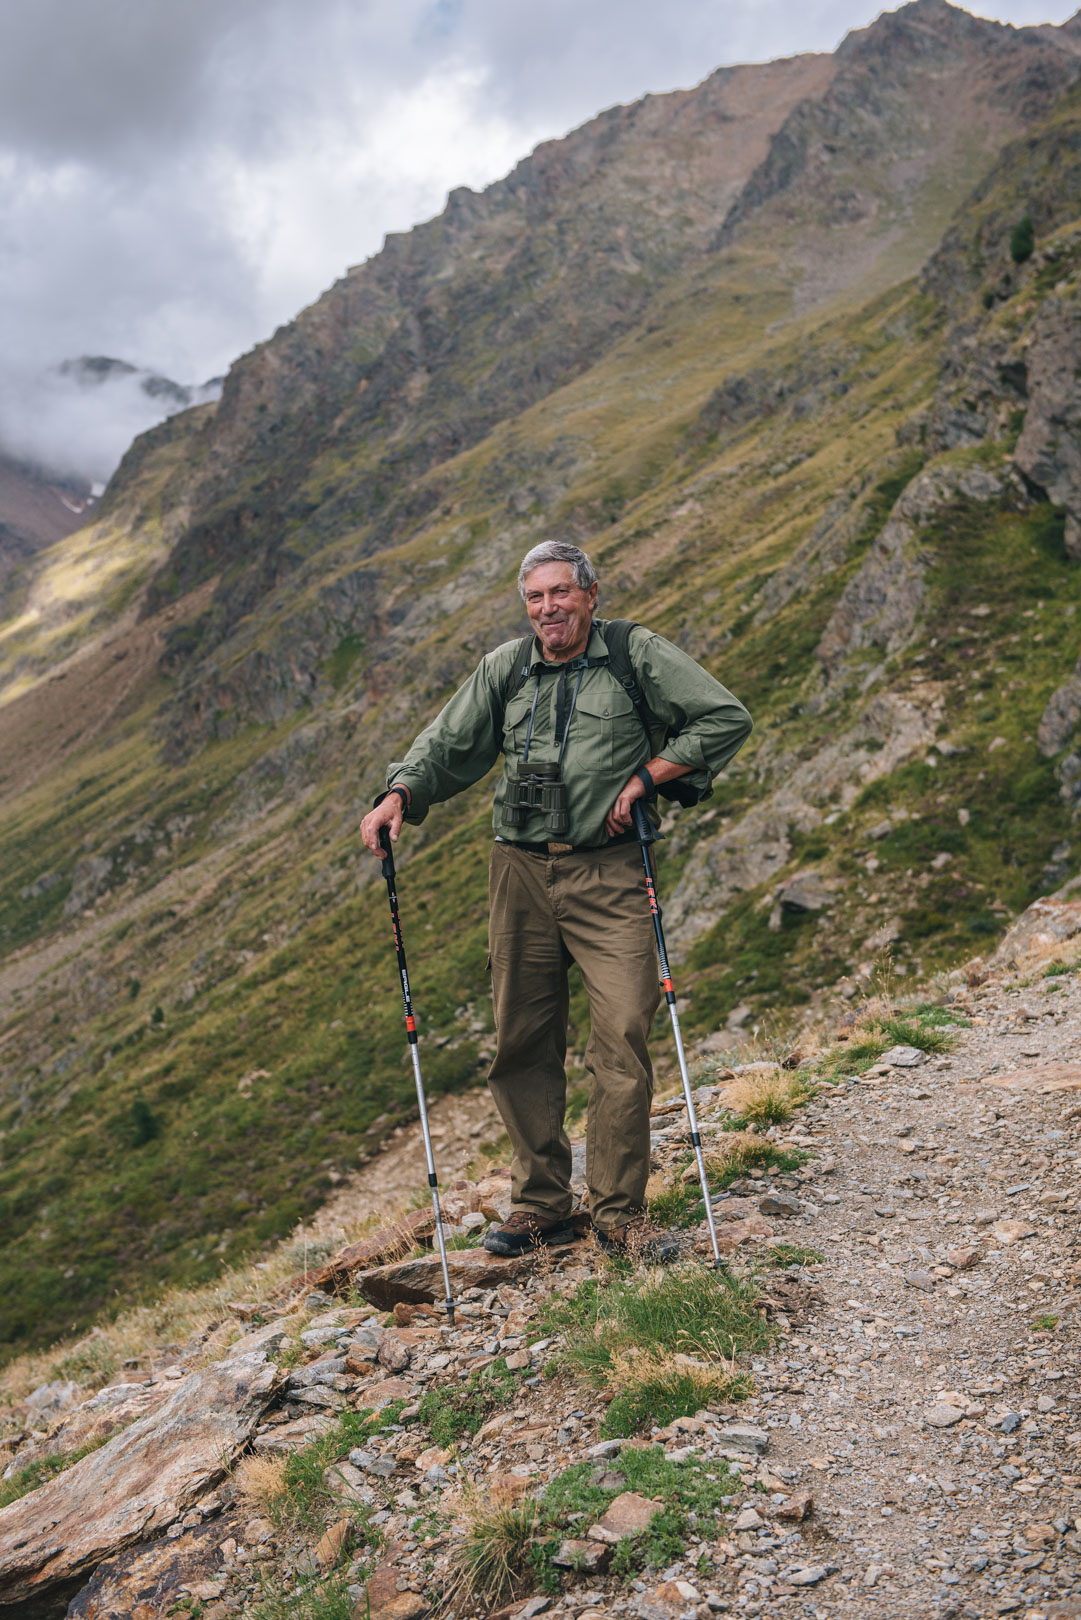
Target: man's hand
621	815
390	814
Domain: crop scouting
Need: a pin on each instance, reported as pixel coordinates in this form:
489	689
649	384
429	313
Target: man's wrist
647	781
400	790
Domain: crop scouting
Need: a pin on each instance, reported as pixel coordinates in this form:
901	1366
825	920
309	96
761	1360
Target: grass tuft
654	1388
638	1336
494	1562
766	1099
793	1254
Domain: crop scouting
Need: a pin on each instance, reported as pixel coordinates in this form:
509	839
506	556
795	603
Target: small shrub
1044	1324
1022	240
143	1124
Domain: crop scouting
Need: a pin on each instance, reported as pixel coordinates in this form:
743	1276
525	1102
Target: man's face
560	611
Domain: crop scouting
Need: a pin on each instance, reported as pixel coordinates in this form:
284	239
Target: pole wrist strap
647	782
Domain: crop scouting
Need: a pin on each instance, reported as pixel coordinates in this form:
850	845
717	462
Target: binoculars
537	787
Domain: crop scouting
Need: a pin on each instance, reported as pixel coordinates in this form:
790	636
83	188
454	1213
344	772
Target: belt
554	848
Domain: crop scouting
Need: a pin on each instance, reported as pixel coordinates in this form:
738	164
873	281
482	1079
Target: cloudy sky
178	177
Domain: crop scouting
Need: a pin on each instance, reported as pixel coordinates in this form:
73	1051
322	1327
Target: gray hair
557	551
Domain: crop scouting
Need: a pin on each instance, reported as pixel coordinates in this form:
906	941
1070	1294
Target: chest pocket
516	720
605	728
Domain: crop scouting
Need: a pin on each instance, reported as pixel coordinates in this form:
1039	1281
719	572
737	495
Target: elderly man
566	879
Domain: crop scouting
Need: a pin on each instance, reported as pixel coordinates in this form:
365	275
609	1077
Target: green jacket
605	743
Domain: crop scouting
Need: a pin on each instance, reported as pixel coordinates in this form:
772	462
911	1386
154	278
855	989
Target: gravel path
934	1419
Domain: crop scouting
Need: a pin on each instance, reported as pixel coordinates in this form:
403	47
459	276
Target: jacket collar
596	652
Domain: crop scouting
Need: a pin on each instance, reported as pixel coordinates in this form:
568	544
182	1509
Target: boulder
103	1414
379	1247
138	1483
1046	922
420	1282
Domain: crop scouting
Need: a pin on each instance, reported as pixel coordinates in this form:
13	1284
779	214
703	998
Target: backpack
617	634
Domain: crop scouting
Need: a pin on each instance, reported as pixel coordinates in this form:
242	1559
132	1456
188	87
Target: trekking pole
646	836
411	1032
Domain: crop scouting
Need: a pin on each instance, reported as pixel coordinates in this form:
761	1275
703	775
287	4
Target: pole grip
388	852
647	833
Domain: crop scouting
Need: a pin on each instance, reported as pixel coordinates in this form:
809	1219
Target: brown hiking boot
524	1231
639	1240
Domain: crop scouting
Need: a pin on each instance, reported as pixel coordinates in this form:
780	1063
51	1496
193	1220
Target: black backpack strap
519	670
617	635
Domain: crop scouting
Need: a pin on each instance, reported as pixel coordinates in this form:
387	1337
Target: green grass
656	1394
793	1254
886	1032
753	1153
686	1309
680	1203
326	1599
453	1413
508	1550
498	1558
45	1468
306	1500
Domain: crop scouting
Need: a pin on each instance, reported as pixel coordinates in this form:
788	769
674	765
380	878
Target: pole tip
449	1303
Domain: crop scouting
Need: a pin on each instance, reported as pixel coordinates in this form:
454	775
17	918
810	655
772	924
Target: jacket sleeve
706	724
462	743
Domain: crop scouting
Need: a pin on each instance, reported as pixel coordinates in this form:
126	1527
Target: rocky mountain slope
35	511
771	350
903	1289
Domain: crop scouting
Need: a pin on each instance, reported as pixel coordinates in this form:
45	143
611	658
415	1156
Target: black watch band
400	791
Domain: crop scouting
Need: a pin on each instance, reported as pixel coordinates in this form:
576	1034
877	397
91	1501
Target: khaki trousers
589	907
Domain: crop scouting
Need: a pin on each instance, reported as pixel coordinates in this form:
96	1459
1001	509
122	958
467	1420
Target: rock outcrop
889	731
880	606
1058	729
1049	449
138	1483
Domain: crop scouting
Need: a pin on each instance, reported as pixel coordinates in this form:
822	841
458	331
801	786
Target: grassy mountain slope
198	1015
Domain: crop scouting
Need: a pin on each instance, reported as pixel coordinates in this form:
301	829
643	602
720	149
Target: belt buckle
560	849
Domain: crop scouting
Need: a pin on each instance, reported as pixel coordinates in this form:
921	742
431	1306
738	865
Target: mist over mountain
783	354
75	420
